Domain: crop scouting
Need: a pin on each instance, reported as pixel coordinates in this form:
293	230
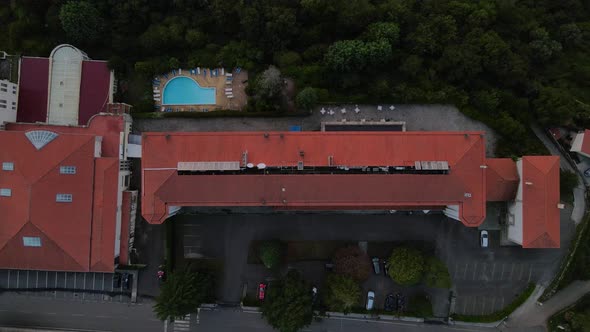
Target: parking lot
77	285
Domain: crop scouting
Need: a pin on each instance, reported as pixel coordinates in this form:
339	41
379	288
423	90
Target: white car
370	300
483	239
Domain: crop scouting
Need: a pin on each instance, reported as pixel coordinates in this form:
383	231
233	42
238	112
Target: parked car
483	239
587	172
314	295
400	302
390	303
261	291
116	280
385	267
127	281
370	300
377	265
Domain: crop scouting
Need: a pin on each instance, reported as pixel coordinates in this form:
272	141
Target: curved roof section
66	51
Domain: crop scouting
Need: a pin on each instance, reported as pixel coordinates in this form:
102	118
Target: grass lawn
437	274
419	306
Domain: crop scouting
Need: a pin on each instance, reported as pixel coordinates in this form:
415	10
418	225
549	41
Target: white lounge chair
198	70
222	71
229	74
228	89
230	96
228	82
156	99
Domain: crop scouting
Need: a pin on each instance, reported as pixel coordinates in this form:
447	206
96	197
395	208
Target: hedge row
216	114
501	314
571	262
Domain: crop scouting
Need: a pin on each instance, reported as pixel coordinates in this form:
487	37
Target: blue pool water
185	91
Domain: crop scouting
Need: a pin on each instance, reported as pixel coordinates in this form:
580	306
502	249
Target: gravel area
417	118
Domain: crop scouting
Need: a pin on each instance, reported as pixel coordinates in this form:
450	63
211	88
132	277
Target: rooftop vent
330	160
300	165
244	158
266	135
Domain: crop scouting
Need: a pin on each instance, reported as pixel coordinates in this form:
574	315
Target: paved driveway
485	279
417	118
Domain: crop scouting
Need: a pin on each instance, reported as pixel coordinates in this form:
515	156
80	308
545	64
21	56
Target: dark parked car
127	281
376	265
389	303
116	280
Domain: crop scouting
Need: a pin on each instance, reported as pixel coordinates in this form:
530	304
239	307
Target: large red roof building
67	88
63	202
444	171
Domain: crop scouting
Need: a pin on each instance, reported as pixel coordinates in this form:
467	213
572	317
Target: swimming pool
184	90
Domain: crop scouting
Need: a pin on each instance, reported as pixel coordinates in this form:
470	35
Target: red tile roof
94	89
463	186
34	83
540	199
76	236
107	126
32	90
501	179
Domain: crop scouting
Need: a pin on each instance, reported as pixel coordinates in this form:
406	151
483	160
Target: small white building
581	144
8	101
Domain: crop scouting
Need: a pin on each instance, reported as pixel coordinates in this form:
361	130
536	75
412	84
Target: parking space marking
530	273
55	279
37	280
502	275
27	279
483	273
46	279
521	271
493	270
483	306
8	278
93	281
474	271
493	303
103	281
473	309
465	272
456	270
464	307
17	278
511	272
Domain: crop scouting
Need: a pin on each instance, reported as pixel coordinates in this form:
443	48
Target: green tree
341	293
81	21
543	48
555	106
353	262
433	34
271	253
182	293
270	83
355	55
288	303
307	98
406	266
383	30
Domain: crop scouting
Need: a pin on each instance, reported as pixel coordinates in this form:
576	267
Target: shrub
271	253
341	293
306	99
437	274
353	262
406	266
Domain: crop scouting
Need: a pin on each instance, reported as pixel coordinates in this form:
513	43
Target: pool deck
238	85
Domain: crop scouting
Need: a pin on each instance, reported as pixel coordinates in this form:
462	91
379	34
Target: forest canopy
507	63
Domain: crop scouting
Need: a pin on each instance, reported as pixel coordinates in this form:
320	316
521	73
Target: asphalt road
24	311
27	311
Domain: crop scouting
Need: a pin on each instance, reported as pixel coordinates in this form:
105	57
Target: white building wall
514	217
8	101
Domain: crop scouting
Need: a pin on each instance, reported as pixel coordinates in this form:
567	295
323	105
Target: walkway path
531	314
579	201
